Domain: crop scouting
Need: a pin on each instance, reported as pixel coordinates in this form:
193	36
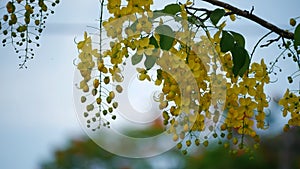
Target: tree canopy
212	90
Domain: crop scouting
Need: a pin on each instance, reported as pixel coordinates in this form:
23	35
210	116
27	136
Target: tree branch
252	17
269	42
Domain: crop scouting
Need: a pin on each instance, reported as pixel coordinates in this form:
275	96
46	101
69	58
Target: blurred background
282	151
39	126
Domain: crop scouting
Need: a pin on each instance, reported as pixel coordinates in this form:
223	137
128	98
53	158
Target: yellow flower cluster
86	64
200	93
96	108
291	104
116	53
245	97
128	13
132	7
143	23
189	91
143	74
143	46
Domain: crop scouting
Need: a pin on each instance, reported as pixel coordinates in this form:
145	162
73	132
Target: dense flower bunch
95	85
246	101
205	94
291	104
101	68
132	7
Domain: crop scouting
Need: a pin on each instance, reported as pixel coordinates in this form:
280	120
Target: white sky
37	113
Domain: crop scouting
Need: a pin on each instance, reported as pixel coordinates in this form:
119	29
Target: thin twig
258	44
269	42
292	52
201	20
197	9
100	46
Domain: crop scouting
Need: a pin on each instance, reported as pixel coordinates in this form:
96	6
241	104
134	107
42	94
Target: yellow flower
260	118
260	71
113	6
143	46
136	6
194	67
234	118
116	74
291	103
284	100
248	86
116	53
247	106
144	24
143	74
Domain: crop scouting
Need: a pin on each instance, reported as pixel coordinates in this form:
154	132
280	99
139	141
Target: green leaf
227	42
156	14
172	9
166	36
241	60
164	30
297	36
216	15
150	61
135	59
194	20
239	39
153	41
245	67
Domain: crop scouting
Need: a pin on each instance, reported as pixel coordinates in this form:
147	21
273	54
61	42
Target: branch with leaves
197	50
249	15
211	89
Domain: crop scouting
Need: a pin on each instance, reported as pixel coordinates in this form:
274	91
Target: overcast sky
37	113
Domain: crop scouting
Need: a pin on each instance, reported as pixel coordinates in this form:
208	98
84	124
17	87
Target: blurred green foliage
276	153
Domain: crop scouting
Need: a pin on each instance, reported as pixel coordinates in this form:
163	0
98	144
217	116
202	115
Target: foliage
84	153
211	89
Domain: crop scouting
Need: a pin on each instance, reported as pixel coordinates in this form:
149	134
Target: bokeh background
38	121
